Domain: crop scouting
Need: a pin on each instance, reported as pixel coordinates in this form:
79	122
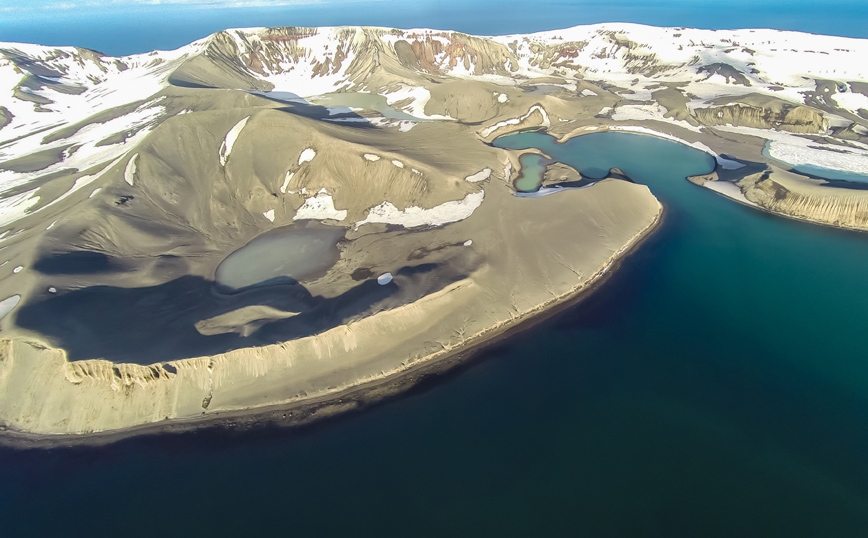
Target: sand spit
211	375
44	393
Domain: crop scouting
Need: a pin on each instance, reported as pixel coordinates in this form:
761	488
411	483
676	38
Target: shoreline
586	130
357	398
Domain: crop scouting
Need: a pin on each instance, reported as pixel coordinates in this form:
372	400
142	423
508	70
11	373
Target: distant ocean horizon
120	32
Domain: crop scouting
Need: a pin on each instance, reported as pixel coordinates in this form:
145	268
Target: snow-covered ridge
54	86
312	61
49	89
315	61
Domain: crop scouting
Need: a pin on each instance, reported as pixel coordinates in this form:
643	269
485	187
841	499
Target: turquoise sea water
715	386
638	156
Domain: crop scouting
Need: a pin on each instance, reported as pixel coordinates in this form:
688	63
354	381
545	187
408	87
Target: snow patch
546	191
286	181
419	98
130	170
229	141
15	207
697	145
727	164
84	152
482	175
502	98
796	151
515	121
387	213
7	304
306	156
18	269
371	157
384	279
468	242
648	112
398	163
321	206
851	101
730	190
269	215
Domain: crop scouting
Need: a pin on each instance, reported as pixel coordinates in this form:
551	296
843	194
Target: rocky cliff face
794	196
792	118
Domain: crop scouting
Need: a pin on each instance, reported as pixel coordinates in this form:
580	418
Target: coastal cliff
796	196
795	119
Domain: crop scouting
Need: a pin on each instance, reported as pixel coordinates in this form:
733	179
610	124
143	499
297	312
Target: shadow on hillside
157	323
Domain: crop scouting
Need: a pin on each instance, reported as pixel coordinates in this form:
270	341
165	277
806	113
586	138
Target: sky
120	27
30	7
33	6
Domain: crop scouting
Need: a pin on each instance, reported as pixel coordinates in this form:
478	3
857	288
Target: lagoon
533	169
639	156
289	253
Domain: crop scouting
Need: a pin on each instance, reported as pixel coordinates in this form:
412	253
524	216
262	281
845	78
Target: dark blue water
128	30
715	386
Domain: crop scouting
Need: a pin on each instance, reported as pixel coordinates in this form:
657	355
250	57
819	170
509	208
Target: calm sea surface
133	30
715	386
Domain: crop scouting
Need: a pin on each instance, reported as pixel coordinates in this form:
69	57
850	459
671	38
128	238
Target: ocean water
715	386
128	30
